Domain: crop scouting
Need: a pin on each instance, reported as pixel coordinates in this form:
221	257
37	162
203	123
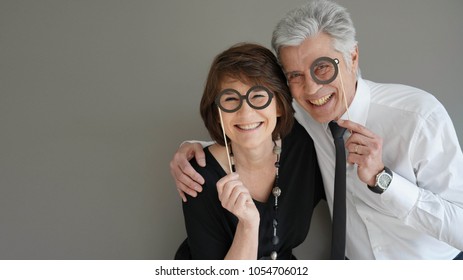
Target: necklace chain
276	191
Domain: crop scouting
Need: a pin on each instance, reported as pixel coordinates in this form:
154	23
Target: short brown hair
250	64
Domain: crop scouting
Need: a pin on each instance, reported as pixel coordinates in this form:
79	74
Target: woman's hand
235	197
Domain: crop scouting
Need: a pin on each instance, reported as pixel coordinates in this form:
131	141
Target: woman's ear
279	113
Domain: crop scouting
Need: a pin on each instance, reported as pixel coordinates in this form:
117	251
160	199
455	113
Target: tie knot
336	130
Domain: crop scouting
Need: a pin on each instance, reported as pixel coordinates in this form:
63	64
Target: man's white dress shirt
420	215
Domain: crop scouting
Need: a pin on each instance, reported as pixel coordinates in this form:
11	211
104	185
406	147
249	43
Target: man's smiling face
324	102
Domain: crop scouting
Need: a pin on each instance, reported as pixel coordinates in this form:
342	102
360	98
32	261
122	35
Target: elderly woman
262	181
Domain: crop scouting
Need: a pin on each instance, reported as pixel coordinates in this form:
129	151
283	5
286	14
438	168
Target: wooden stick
344	94
225	139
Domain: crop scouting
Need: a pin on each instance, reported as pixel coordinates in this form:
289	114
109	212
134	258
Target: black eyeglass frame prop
334	62
246	96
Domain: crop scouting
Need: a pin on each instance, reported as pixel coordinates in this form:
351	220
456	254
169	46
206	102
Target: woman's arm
213	232
235	197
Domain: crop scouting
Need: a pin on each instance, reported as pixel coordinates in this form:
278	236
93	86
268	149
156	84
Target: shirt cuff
401	196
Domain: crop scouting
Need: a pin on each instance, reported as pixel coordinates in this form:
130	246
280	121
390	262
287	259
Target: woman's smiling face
248	127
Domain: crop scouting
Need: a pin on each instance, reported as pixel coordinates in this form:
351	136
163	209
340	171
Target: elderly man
404	190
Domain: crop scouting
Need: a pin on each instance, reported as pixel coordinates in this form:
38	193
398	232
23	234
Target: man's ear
355	58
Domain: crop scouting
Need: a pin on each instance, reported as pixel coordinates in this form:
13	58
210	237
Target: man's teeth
248	126
321	101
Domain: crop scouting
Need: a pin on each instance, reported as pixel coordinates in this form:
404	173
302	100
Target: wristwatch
383	180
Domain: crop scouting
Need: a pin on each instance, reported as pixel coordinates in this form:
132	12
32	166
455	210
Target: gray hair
318	16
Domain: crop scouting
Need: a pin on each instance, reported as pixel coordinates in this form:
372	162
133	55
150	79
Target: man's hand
186	178
365	150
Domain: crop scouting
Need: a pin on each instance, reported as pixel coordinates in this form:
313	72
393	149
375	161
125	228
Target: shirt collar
358	109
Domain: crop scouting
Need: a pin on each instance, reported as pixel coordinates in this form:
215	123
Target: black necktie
338	239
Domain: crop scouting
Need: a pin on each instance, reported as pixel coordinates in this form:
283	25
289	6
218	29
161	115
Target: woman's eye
231	99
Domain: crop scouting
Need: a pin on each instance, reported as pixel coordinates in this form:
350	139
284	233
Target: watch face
384	180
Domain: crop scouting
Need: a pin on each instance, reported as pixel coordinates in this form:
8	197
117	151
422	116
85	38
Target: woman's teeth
248	126
321	101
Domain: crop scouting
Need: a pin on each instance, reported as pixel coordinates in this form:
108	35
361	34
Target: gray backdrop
95	97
